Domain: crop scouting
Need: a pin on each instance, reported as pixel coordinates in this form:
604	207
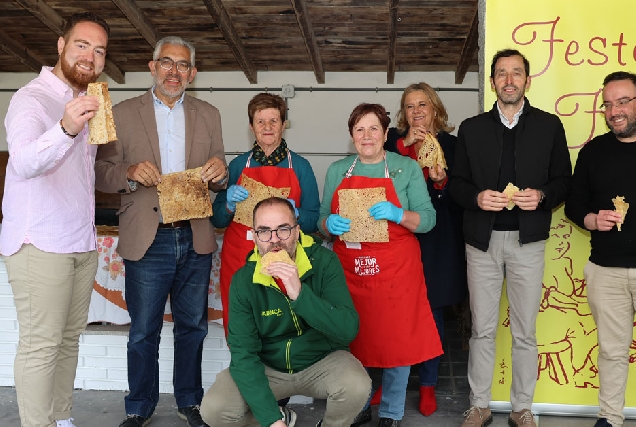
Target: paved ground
106	408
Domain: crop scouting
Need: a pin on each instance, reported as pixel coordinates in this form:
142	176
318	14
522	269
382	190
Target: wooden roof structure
257	35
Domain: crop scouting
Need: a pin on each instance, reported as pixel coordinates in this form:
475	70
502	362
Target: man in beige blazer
160	132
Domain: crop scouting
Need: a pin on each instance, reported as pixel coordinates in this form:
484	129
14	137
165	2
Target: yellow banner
571	45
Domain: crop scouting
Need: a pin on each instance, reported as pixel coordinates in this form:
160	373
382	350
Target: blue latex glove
386	210
235	193
293	203
337	224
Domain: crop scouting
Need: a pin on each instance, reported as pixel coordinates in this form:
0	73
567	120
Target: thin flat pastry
354	204
620	206
510	191
257	192
183	196
275	256
430	153
101	128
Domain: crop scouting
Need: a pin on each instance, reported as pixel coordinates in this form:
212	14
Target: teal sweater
309	200
266	328
407	178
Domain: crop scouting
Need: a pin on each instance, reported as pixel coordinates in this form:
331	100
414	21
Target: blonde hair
440	121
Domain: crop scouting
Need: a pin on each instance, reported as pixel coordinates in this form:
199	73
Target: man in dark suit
160	132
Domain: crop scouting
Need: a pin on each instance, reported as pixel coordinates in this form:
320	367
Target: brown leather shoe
523	418
477	417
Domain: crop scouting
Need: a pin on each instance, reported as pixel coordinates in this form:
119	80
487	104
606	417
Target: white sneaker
65	423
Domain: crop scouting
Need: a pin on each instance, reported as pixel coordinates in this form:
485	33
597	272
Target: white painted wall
318	118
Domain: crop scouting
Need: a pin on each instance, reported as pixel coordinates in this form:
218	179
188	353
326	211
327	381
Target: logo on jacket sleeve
366	266
275	312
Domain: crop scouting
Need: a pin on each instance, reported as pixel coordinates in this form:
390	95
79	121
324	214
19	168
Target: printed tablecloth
108	302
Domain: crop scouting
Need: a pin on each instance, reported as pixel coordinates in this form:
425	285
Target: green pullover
266	328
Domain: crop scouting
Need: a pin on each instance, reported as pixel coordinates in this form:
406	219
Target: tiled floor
105	408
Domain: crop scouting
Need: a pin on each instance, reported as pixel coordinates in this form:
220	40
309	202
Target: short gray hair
174	40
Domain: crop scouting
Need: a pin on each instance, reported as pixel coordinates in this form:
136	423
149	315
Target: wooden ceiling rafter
55	22
139	20
223	21
307	31
393	20
20	52
468	50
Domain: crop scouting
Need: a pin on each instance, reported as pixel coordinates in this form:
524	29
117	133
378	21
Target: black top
542	162
606	168
443	249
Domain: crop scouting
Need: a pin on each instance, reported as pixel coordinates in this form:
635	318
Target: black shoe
362	418
319	423
192	415
388	422
134	421
602	422
289	416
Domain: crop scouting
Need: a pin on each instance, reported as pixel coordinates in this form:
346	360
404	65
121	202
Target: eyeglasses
282	233
167	64
618	104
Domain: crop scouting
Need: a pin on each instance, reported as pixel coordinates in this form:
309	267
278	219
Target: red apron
236	241
386	282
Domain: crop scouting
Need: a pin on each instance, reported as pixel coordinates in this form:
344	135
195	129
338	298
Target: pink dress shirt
49	192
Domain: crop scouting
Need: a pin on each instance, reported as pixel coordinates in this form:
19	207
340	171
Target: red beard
75	77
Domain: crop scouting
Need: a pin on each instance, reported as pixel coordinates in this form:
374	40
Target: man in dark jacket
289	329
517	145
603	179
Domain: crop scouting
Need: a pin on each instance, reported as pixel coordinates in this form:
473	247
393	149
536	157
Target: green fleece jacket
266	328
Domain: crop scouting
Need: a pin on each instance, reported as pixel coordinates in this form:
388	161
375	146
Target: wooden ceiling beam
55	22
139	20
20	52
468	50
393	16
307	31
223	21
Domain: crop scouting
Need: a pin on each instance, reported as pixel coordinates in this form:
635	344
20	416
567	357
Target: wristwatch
542	199
132	185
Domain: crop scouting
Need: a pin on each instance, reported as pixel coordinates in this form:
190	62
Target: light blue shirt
171	131
515	118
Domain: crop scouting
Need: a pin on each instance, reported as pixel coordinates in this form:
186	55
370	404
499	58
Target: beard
288	245
77	78
628	131
171	93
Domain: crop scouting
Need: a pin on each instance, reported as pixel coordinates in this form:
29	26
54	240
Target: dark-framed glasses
606	106
282	233
167	64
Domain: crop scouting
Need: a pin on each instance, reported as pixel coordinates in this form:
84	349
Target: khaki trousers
340	378
52	294
522	267
611	293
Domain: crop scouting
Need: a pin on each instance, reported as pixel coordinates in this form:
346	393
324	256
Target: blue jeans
428	369
394	382
172	268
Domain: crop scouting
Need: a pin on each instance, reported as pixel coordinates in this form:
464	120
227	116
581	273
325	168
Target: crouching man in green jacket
288	333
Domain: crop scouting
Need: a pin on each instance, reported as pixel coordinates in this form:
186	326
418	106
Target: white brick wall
102	355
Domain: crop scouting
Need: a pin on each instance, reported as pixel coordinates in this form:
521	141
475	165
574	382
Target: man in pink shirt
48	231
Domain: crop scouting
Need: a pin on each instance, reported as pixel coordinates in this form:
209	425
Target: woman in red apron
386	280
271	163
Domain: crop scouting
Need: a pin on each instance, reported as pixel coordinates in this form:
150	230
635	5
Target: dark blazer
138	141
542	162
443	248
